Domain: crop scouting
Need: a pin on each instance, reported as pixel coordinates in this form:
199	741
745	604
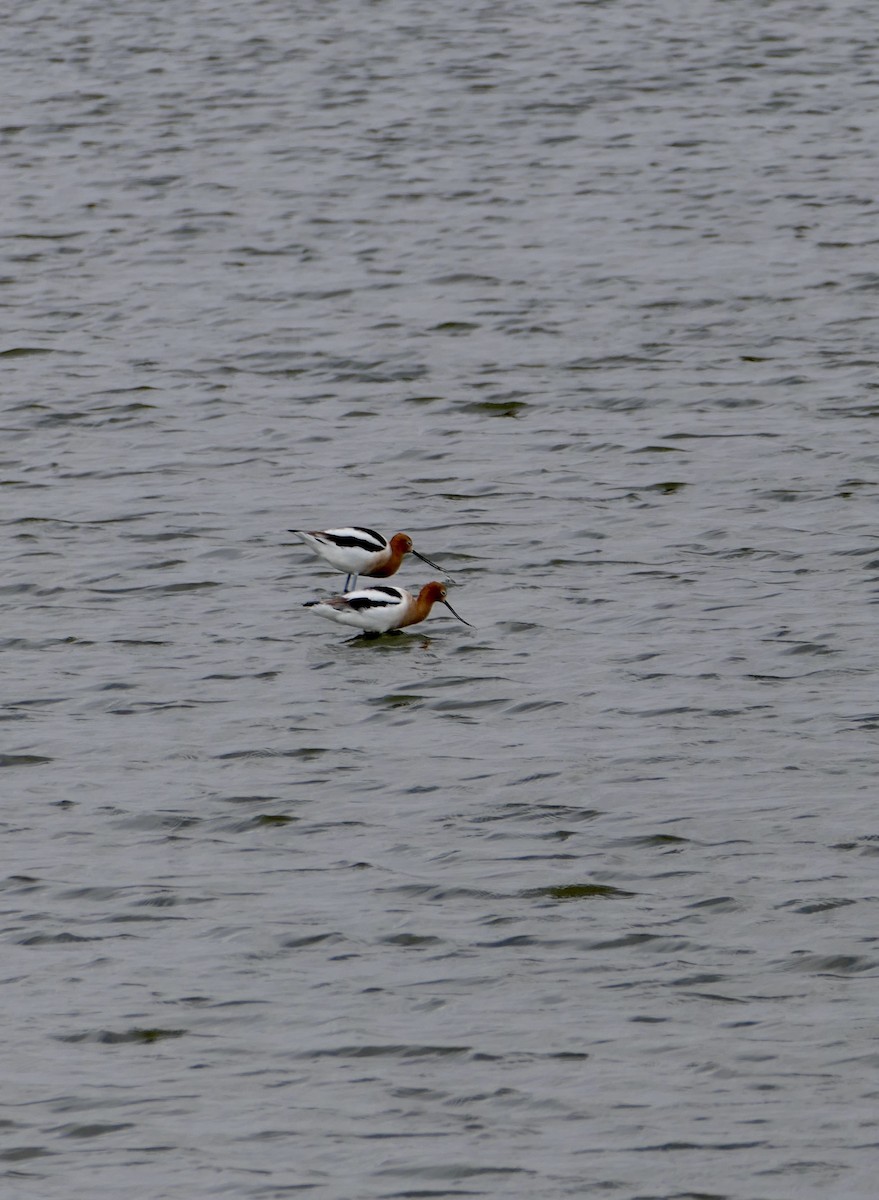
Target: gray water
579	902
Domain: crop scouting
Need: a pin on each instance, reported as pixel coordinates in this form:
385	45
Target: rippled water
578	902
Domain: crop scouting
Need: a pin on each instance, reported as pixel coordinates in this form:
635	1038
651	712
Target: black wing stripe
345	541
358	602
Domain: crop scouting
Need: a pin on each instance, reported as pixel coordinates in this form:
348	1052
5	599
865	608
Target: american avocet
380	609
361	551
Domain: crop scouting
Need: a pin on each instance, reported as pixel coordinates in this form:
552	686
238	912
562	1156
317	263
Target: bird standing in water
381	609
360	551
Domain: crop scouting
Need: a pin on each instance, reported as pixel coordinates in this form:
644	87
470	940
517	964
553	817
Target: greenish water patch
580	891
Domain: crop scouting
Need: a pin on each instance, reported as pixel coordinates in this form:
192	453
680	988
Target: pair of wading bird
364	552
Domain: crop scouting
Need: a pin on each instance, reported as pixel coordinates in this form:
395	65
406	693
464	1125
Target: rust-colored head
401	543
435	593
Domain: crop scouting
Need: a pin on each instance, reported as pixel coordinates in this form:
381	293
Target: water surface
577	901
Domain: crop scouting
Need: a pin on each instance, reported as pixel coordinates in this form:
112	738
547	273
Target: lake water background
579	902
